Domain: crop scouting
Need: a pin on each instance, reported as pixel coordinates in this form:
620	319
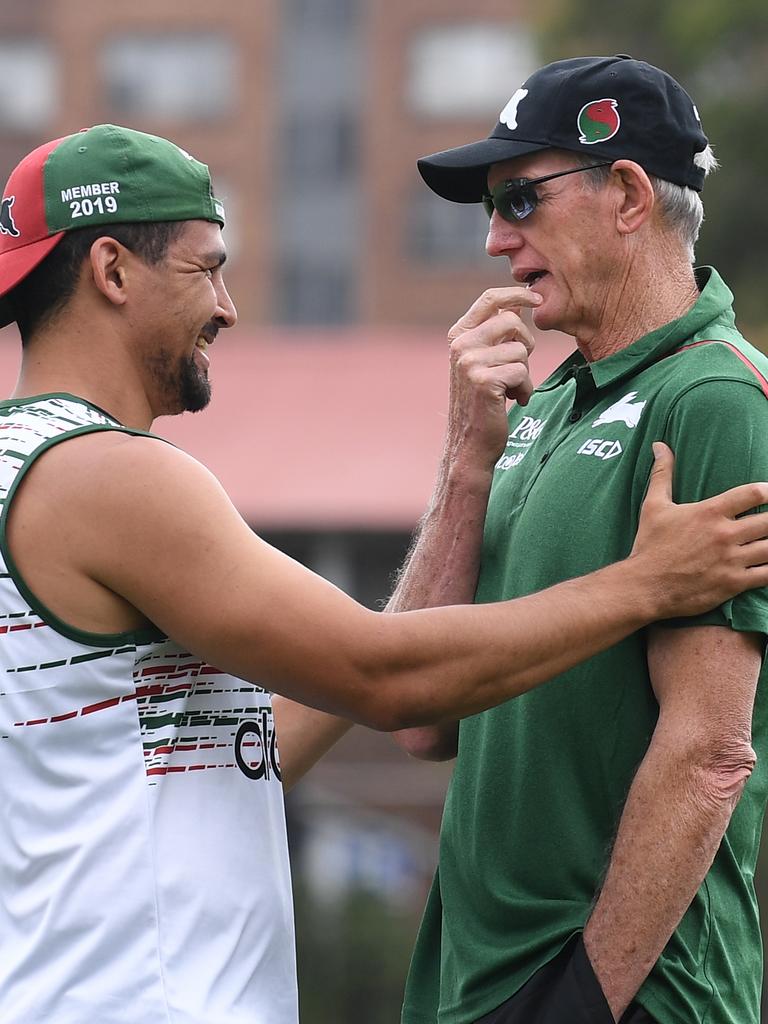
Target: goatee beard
194	387
182	386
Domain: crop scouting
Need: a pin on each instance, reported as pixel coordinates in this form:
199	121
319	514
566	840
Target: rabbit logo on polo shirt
624	411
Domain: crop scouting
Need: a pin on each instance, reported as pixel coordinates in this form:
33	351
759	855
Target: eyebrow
217	257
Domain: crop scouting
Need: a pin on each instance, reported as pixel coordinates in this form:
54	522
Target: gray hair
680	206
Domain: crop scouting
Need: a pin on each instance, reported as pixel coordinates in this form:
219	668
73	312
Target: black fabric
607	108
564	991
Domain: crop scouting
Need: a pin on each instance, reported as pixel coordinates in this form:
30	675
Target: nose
226	314
503	237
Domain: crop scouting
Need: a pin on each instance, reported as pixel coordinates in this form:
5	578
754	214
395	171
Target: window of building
313	15
319	147
445	234
181	77
314	293
28	85
468	69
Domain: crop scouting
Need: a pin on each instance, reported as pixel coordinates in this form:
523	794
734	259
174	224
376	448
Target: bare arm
441	568
304	735
148	530
680	802
489	349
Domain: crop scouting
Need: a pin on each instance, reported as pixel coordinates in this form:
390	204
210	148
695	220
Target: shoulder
704	360
104	454
117	476
711	379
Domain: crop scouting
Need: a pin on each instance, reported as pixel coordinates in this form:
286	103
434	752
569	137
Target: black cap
603	107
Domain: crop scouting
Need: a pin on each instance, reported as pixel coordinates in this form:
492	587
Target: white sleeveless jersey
144	872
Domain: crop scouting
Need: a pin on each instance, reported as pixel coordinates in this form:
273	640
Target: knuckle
511	321
458	348
476	375
517	372
465	360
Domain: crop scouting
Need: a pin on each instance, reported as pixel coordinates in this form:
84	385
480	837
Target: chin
544	320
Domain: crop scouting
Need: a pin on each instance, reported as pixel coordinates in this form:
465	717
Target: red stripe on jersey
100	706
762	381
63	718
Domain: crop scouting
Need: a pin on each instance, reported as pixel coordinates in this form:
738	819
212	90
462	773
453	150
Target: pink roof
327	429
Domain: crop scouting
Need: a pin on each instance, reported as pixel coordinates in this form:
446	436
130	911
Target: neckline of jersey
66	395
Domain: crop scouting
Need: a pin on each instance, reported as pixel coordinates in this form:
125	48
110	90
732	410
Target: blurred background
329	396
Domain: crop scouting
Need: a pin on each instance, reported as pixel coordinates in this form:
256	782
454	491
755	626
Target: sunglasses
517	198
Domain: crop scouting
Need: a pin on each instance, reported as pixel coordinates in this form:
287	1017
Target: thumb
660	484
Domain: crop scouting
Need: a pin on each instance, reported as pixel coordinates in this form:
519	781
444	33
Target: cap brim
460	174
15	264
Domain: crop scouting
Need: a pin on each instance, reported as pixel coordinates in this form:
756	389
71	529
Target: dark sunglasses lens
513	202
519	203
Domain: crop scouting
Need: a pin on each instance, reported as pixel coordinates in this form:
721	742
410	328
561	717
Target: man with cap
600	833
143	860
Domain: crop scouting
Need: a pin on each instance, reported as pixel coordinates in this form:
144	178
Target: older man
600	834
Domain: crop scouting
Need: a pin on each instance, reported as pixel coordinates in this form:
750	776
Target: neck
643	299
61	360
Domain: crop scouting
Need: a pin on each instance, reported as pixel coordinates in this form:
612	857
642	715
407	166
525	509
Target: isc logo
601	449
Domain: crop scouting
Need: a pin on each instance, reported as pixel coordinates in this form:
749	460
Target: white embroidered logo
508	116
601	449
625	411
522	437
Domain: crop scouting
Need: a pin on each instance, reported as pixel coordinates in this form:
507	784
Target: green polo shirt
540	782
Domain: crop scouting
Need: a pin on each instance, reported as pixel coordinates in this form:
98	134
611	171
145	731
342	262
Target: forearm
509	647
441	569
672	825
442	566
304	735
681	800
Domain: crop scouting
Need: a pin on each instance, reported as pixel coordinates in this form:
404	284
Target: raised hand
490	346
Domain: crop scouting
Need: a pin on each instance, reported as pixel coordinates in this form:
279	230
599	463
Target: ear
108	262
636	196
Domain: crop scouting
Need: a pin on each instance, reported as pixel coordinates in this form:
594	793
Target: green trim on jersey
150	634
66	396
540	782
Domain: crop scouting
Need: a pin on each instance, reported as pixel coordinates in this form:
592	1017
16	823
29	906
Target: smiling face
183	304
567	249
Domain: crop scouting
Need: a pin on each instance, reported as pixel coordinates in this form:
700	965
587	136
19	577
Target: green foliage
719	52
353	957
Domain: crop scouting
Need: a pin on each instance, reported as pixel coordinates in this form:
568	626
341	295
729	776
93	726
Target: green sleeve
718	430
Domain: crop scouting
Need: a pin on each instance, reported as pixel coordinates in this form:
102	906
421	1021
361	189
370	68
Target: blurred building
311	113
346	270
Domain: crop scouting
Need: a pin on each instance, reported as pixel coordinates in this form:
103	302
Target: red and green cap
102	175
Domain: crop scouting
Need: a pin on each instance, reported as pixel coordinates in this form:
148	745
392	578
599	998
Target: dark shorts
564	991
